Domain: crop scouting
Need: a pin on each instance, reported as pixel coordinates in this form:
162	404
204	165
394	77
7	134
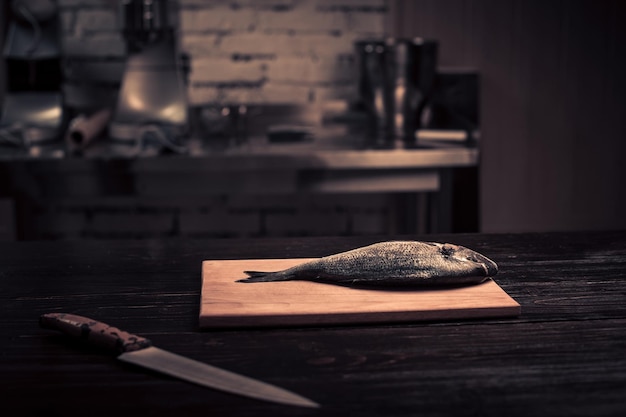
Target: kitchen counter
323	152
564	355
328	164
258	157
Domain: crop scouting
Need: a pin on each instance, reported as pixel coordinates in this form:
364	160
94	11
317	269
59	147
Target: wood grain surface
563	356
226	302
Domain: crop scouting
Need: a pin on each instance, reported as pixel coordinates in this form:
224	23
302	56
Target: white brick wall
224	70
242	51
302	19
217	19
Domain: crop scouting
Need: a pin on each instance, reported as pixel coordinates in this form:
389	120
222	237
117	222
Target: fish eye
447	251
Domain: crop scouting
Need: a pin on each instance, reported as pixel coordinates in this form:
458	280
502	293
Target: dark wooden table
565	355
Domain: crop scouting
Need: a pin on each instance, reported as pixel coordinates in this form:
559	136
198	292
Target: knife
139	351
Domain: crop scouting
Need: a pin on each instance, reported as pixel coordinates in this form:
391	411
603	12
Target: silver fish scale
389	261
393	263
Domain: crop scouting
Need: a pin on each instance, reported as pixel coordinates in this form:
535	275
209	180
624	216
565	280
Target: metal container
395	81
373	87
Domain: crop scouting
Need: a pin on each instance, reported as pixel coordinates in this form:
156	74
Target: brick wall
242	51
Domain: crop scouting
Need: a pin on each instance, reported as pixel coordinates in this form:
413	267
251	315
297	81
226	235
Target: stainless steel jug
395	81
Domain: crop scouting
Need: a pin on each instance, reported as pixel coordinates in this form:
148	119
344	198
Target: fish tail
259	276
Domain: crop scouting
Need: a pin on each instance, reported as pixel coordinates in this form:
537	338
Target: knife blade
140	351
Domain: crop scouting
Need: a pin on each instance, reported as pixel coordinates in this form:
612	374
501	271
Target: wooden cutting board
226	303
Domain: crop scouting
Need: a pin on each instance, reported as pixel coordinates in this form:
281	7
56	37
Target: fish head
463	258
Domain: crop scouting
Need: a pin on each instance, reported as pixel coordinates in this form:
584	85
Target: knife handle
94	332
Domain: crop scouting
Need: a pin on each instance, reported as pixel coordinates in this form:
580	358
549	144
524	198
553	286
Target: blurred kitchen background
517	121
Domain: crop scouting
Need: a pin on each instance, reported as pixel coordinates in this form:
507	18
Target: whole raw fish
393	263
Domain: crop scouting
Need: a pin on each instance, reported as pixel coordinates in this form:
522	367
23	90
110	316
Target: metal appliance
396	77
32	109
152	102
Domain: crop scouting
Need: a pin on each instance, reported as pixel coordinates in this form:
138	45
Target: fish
390	264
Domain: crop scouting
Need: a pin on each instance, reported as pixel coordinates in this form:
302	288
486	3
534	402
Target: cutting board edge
358	318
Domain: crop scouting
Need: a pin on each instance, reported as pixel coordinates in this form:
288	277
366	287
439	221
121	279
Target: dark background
553	101
552	104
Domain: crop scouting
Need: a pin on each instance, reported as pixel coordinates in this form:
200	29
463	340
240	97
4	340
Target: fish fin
259	276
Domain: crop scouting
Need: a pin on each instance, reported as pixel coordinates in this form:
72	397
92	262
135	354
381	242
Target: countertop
563	356
325	148
329	163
